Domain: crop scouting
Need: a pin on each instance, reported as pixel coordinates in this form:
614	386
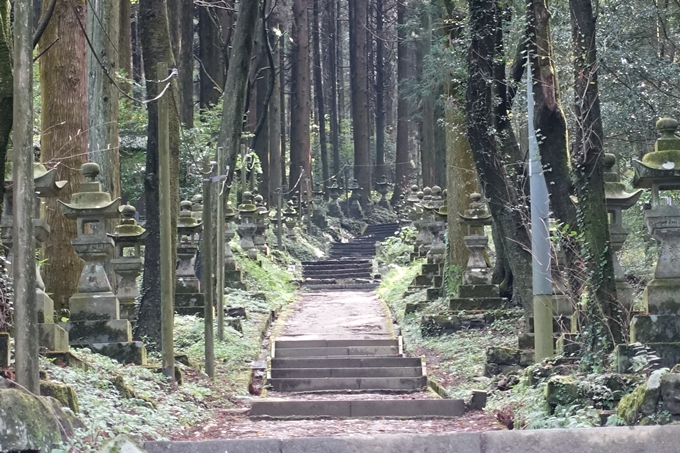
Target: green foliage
397	249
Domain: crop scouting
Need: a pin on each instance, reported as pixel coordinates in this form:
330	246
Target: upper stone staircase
349	266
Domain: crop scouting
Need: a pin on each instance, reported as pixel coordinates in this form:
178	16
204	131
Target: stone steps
341	287
338	351
346	362
337	273
366	372
350	383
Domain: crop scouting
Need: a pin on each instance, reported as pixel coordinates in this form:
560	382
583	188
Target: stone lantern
334	191
318	208
437	228
233	276
290	215
424	238
618	200
128	262
188	296
95	312
437	199
382	187
476	218
247	224
261	220
355	210
660	171
197	207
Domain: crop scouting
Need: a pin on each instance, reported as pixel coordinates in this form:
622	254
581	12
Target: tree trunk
426	121
282	108
439	150
402	161
211	57
502	196
340	65
329	39
261	140
603	312
186	64
6	86
549	118
174	14
63	90
137	63
125	44
274	117
359	82
379	91
300	147
155	38
231	126
103	19
319	92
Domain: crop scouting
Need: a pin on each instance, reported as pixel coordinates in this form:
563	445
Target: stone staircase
371	375
349	266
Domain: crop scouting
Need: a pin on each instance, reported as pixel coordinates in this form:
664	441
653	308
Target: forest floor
340	314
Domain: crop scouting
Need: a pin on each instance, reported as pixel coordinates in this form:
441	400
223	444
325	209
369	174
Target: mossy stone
62	393
503	356
670	392
26	424
562	391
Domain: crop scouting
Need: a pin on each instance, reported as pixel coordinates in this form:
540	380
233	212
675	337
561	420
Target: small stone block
437	281
477	303
236	312
128	310
566	345
63	393
64	359
434	293
412	307
478	400
189	300
661	296
431	326
87	332
234	323
502	356
562	305
53	338
469	291
4	349
423	280
525	341
655	329
93	306
125	352
431	269
527	357
45	306
259	296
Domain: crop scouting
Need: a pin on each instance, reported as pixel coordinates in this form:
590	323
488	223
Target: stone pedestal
95	314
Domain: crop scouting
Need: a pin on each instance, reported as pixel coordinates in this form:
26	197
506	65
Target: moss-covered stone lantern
247	224
476	218
334	191
290	215
262	225
189	299
128	262
95	311
355	210
659	171
382	187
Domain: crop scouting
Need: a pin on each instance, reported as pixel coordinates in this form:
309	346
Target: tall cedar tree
358	59
498	188
402	162
185	63
329	39
125	44
64	120
319	95
6	82
300	146
589	174
155	37
211	56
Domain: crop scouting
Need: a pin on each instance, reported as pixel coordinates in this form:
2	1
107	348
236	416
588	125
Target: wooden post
25	310
207	283
165	214
219	270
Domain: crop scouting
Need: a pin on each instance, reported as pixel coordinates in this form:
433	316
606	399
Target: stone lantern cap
128	229
443	209
46	184
477	215
383	182
661	167
334	184
413	195
261	208
355	185
290	210
186	222
247	205
91	200
229	212
614	191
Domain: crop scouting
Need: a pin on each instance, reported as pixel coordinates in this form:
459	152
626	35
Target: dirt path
335	315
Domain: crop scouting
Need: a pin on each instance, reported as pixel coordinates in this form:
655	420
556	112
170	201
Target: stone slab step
387	372
480	303
339	384
340	343
358	409
339	265
334	262
337	273
340	351
341	287
346	362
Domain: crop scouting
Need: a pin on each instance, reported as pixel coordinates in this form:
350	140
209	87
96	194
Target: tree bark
155	38
329	39
137	63
319	95
231	126
379	91
261	140
211	57
603	312
282	108
502	196
125	44
63	90
103	20
358	56
402	162
426	120
186	63
340	65
6	86
300	146
174	14
274	117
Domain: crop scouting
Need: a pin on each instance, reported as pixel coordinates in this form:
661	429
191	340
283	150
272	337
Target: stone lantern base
190	303
51	336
